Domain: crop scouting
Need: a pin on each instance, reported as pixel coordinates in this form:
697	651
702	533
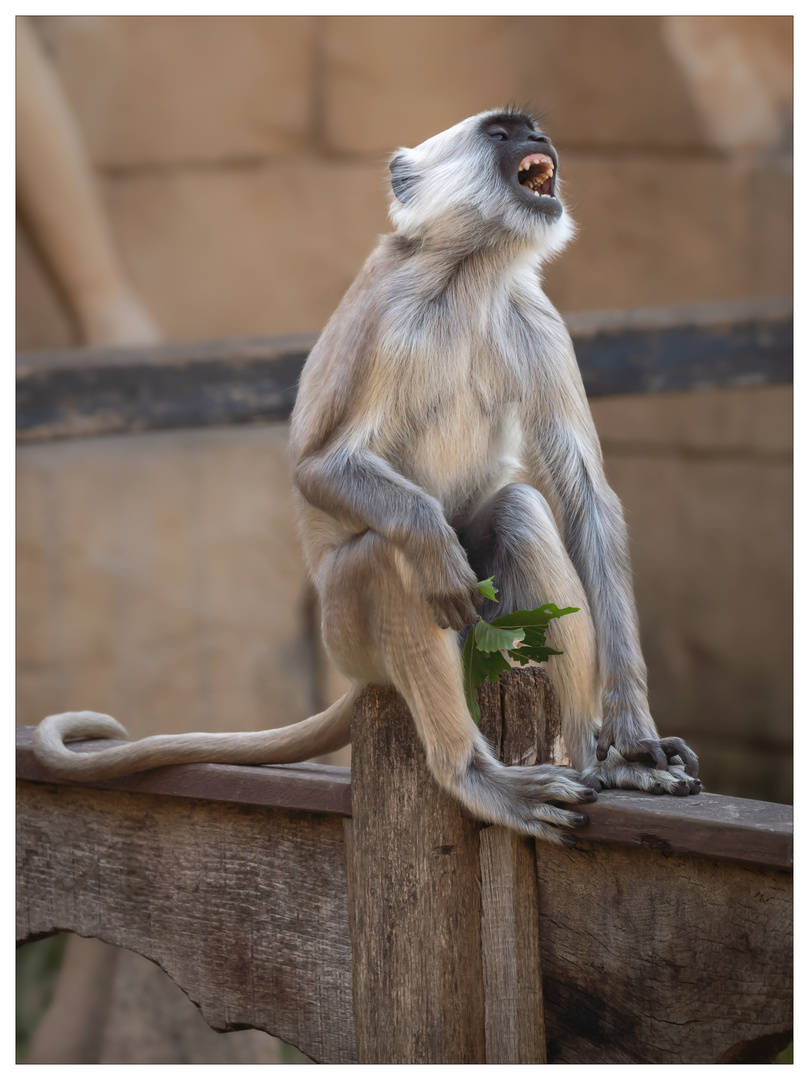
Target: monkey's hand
450	586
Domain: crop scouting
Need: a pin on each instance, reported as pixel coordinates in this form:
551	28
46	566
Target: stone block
738	71
654	232
160	580
396	80
43	319
605	82
744	422
597	81
150	90
712	557
268	250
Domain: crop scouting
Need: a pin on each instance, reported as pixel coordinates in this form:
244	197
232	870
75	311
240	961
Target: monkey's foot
616	772
524	798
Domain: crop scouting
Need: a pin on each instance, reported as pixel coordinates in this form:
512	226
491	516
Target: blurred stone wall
242	162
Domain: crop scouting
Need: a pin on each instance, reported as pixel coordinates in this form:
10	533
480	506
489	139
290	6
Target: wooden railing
362	916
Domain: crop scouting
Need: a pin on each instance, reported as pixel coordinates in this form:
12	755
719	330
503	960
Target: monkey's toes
591	794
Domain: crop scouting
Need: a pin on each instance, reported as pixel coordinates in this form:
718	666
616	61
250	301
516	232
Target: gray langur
442	397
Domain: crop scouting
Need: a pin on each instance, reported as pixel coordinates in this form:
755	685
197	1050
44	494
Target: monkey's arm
565	449
363	491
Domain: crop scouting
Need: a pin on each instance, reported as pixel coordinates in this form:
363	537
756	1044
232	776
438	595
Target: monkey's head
490	179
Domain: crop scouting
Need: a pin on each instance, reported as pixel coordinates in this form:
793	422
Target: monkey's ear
403	178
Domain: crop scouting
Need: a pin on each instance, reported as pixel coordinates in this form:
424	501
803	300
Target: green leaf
538	653
469	684
477	668
491	639
486	588
520	635
540	616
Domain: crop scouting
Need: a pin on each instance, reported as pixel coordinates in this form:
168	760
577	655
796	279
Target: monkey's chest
461	445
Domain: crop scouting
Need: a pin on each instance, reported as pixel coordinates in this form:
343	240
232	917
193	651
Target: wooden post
522	723
444	913
413	900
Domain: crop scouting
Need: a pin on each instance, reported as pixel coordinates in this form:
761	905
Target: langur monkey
441	435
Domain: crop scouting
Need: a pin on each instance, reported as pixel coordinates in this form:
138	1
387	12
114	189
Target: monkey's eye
497	132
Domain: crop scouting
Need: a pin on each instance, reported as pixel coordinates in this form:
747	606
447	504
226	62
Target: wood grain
243	907
647	954
414	900
512	972
663	959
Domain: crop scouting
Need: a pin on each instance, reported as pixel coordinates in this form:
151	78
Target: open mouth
536	174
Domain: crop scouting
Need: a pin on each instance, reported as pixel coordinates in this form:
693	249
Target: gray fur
443	382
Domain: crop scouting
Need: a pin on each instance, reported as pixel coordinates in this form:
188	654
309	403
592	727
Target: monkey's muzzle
536	173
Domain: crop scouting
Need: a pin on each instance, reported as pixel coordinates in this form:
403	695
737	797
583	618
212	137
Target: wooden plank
512	971
714	826
414	900
85	392
663	959
512	968
243	907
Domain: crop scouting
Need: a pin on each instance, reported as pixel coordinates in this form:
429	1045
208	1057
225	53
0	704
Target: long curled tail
320	734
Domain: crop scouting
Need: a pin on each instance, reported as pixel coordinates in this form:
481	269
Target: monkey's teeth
535	173
537	159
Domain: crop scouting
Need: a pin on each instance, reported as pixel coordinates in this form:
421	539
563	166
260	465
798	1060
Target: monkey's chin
547	207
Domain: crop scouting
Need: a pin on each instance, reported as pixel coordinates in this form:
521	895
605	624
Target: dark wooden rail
81	392
362	916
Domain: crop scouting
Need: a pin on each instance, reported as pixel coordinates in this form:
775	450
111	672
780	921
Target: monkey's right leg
378	628
514	536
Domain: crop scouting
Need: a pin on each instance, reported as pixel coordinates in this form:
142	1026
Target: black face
528	162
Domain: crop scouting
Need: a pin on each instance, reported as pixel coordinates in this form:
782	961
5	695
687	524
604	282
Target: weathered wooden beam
83	392
244	907
413	898
709	825
516	718
651	958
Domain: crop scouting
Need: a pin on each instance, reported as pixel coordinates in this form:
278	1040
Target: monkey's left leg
514	537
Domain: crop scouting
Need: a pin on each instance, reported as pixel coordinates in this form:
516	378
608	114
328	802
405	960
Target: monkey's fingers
605	741
453	611
648	751
441	622
674	747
